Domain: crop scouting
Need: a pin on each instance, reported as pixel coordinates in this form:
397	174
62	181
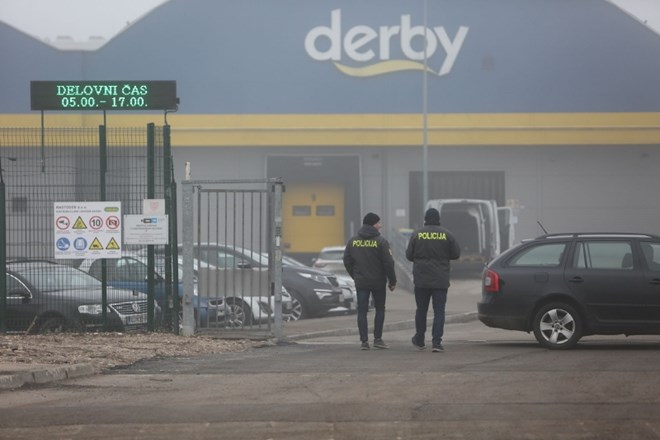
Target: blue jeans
363	307
423	296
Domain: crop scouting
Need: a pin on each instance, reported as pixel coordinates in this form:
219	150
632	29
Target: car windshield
159	265
57	277
262	259
226	256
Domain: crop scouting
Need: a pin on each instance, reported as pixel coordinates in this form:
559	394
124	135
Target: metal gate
232	257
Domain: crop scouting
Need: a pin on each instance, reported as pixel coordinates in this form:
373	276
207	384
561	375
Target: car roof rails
599	234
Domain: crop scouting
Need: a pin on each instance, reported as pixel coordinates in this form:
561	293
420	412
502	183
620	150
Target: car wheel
557	326
53	325
237	314
298	307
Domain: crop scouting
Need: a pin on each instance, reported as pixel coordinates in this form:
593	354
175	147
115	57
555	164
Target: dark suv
565	286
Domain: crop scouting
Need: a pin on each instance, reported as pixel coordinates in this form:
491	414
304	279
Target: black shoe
438	348
416	343
364	346
379	343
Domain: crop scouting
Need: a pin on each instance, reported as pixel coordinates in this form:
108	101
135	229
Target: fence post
188	326
3	255
151	264
171	251
276	246
103	166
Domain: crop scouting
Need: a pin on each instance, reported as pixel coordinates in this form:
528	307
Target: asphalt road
488	384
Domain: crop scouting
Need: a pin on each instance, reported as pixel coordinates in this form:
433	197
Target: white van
474	223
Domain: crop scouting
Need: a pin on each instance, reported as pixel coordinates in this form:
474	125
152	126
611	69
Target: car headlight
318	278
91	309
346	281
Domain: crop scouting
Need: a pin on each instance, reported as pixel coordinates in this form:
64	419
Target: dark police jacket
430	249
368	259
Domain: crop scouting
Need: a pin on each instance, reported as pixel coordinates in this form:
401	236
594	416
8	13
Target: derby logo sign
369	50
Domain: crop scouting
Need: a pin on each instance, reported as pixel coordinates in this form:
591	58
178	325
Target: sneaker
364	346
416	343
379	343
438	348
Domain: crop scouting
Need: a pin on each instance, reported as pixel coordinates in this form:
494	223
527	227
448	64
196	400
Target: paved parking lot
488	384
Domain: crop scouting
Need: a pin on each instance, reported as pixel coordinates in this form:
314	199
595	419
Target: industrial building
549	107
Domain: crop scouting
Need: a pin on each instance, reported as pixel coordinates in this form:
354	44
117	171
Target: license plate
136	319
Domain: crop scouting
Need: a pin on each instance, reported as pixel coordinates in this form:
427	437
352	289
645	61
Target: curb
17	380
394	326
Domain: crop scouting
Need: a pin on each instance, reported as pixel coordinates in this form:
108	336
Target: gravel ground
108	350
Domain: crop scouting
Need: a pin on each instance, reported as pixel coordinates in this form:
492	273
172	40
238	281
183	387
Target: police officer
368	260
430	249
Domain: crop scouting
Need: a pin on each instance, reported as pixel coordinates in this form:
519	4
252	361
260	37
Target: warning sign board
87	229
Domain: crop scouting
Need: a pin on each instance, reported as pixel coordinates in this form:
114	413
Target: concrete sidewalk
399	315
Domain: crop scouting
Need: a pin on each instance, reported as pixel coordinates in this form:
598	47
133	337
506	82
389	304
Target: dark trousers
422	298
363	307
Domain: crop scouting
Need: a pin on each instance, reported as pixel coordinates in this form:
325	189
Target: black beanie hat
432	217
370	219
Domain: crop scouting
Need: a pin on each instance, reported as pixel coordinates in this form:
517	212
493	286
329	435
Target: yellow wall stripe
375	129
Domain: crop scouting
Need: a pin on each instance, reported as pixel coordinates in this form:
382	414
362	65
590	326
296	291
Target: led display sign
103	95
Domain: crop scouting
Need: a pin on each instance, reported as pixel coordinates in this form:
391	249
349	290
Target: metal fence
42	166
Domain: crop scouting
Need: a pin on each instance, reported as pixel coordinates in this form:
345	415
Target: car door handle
576	280
655	281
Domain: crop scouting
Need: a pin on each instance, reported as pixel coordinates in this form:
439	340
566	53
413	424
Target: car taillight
491	281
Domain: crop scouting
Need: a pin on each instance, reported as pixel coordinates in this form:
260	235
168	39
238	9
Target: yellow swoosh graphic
382	68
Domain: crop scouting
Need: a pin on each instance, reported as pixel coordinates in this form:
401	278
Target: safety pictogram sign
96	245
96	222
112	244
87	229
62	223
79	224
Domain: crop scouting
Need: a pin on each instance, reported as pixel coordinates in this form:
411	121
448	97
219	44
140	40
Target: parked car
331	258
565	286
313	292
345	282
45	297
246	300
130	271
